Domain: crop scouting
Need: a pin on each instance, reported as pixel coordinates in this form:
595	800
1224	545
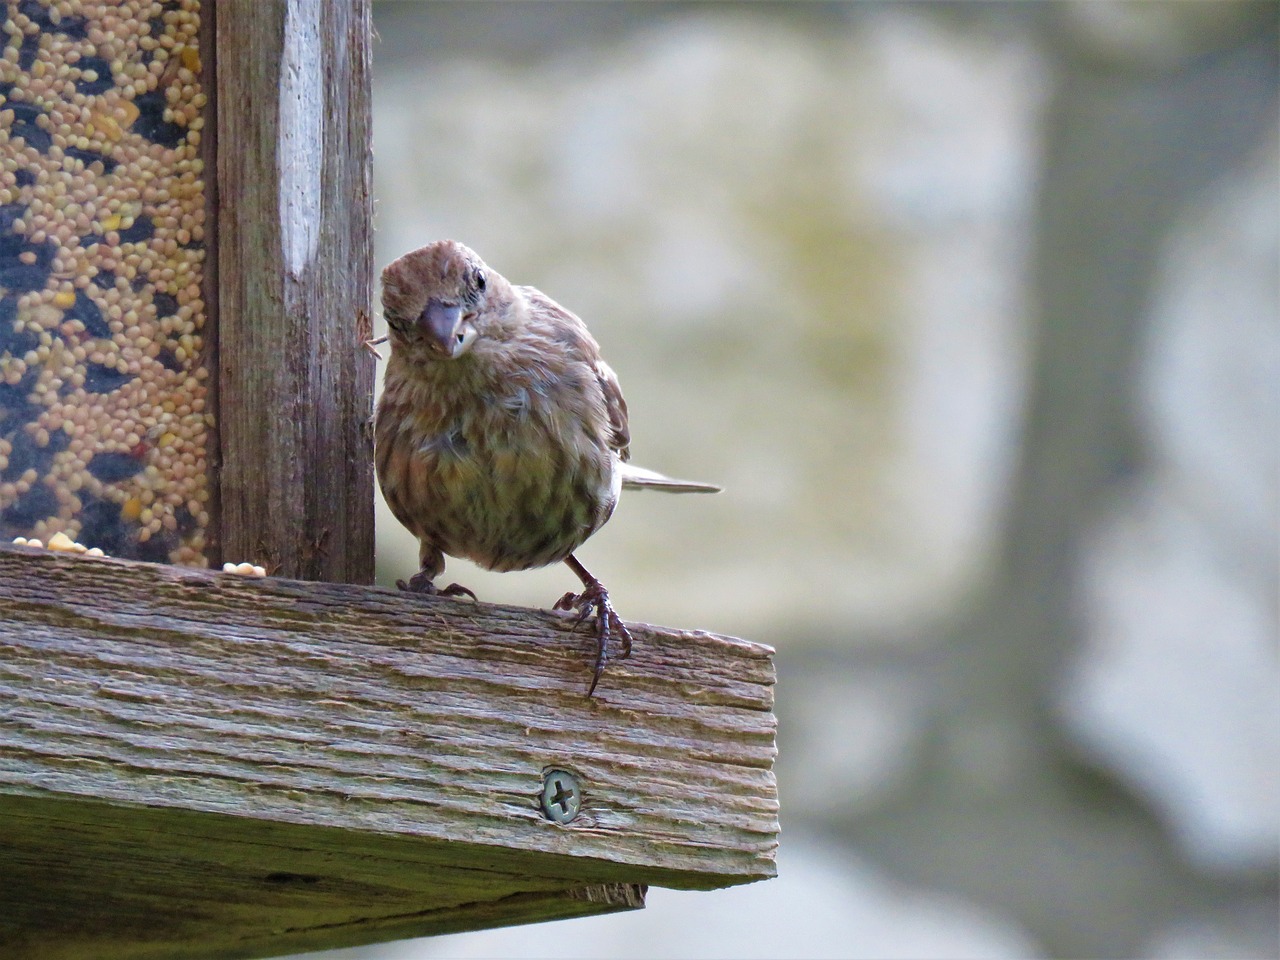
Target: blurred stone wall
973	310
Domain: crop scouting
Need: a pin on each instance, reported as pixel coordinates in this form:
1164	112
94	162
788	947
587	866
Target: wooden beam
303	765
85	880
294	284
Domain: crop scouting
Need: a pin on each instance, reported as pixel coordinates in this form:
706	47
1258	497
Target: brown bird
501	434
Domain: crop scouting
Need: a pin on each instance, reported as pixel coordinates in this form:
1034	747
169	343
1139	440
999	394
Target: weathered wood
301	765
87	880
295	280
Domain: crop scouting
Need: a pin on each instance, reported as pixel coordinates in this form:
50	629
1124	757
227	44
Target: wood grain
294	286
391	746
90	880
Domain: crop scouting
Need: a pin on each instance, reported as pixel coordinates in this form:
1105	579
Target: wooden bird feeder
199	764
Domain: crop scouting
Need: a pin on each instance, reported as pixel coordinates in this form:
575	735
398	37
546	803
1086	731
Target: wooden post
199	764
294	285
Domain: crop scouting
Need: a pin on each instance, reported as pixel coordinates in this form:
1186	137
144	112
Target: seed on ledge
244	569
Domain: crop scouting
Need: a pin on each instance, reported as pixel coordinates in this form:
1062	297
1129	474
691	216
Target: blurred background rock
973	310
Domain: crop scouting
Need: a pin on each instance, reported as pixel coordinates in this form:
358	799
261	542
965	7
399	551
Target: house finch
501	435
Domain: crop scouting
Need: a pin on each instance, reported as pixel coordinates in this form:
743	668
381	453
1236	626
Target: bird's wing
615	406
573	333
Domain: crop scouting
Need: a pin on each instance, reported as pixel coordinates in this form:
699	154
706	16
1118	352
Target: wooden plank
85	880
328	729
295	281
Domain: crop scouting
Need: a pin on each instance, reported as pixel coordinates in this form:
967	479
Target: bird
501	435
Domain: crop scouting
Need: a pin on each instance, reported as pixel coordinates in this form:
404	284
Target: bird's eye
480	280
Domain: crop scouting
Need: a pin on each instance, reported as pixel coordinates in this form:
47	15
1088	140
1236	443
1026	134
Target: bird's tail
638	478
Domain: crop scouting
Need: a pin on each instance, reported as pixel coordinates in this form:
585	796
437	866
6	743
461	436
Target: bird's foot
595	599
421	583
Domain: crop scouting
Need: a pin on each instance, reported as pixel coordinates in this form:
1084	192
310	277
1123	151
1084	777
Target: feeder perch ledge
198	764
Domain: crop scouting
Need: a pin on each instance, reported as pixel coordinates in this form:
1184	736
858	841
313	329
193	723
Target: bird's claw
421	583
595	599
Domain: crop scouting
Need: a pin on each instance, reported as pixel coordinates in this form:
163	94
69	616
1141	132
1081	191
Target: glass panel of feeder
103	420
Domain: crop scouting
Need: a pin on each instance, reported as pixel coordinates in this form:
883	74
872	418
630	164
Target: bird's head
436	299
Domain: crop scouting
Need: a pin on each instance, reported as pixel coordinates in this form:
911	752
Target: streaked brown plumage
501	434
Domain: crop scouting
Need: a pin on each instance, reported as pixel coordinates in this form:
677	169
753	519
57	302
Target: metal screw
561	795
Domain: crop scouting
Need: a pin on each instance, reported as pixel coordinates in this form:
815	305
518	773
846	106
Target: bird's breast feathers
494	471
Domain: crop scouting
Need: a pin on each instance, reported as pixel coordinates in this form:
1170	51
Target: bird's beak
440	322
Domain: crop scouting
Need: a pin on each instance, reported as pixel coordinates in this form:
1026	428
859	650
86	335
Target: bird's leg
424	580
594	598
421	582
